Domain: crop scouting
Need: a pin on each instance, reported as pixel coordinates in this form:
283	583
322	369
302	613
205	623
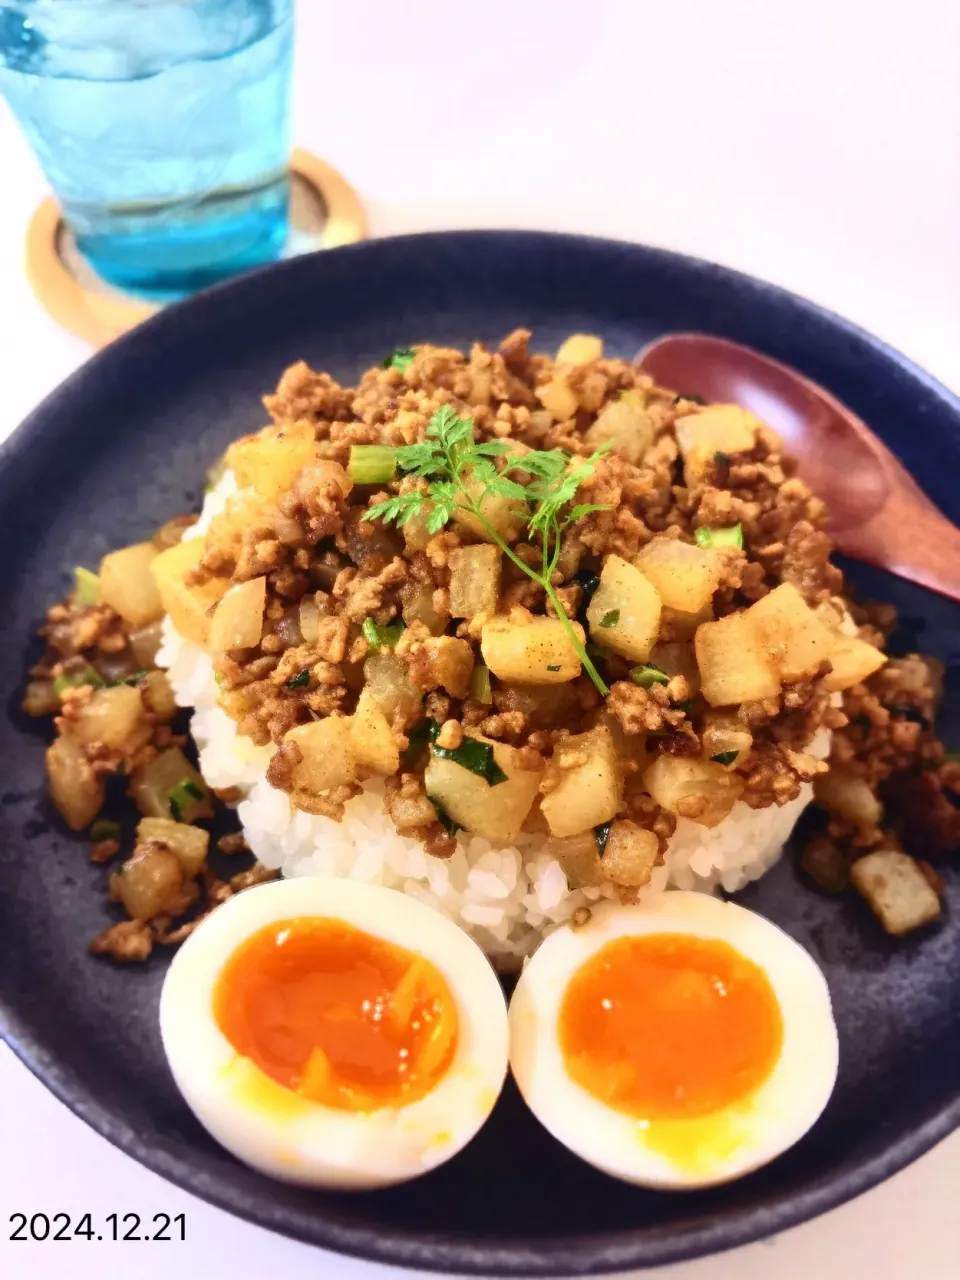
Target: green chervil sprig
450	460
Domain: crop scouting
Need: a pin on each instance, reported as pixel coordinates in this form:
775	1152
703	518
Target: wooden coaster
325	211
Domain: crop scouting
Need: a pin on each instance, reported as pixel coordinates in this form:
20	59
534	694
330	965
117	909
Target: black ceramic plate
123	445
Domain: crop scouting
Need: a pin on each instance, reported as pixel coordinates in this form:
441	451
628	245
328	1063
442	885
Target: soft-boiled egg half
674	1045
335	1033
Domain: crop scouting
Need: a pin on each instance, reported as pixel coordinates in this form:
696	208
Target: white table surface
815	144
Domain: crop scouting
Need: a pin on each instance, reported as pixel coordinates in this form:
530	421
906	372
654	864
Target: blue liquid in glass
163	127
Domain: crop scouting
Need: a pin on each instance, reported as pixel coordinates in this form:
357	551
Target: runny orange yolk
670	1027
336	1015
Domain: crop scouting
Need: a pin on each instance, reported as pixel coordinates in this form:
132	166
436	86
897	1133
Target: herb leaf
444	818
381	637
399	358
647	675
74	679
299	681
476	756
610	619
454	466
725	757
601	835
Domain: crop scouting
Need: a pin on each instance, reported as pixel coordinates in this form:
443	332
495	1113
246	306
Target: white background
814	143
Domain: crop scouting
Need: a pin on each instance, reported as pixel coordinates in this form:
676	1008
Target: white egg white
683	1153
297	1140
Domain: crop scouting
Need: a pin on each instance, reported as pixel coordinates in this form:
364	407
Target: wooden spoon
877	511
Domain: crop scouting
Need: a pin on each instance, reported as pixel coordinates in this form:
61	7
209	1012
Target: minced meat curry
533	594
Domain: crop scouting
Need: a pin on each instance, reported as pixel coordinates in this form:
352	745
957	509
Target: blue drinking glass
163	127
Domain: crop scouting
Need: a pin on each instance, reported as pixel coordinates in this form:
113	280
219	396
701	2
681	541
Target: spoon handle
908	536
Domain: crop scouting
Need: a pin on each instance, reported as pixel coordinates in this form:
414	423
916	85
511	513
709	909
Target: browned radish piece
190	844
697	789
536	651
237	622
851	797
558	398
128	586
579	856
685	576
624	614
853	660
371	742
495	811
113	717
725	738
269	460
625	426
501	514
75	789
170	787
588	783
677	658
722	428
579	348
735	664
189	606
417	600
151	883
157	694
796	638
474	580
327	757
388	679
630	854
897	891
681	625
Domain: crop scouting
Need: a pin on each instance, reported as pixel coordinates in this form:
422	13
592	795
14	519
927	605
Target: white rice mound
507	897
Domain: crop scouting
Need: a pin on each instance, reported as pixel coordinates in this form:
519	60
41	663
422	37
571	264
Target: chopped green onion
130	680
444	818
610	619
382	637
218	676
647	675
299	681
596	651
601	835
372	464
554	668
480	690
74	679
181	794
688	396
686	707
87	589
732	537
725	757
399	358
476	756
104	829
722	458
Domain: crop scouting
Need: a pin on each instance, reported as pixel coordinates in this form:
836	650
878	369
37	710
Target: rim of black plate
433	1251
